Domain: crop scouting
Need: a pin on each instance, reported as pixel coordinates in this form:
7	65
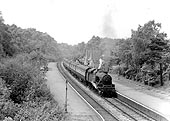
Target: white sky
74	21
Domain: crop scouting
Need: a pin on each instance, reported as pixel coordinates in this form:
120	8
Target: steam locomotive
95	79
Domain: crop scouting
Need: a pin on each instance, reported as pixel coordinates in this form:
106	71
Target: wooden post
66	97
161	76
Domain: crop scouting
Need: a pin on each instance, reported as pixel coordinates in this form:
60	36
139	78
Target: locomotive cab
89	74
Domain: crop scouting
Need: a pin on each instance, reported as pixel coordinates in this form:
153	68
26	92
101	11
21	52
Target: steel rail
98	107
129	111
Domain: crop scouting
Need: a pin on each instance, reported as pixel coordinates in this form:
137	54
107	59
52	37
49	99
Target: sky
75	21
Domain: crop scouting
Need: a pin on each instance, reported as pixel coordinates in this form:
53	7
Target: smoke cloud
108	26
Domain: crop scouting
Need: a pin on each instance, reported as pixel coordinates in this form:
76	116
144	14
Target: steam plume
108	29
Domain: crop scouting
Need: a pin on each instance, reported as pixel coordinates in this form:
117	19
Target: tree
93	49
1	18
79	51
6	46
124	51
23	90
157	49
141	38
149	46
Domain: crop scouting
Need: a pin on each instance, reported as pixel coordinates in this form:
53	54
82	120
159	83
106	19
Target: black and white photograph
84	60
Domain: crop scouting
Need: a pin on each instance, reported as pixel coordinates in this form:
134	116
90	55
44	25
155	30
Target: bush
18	78
23	92
139	76
42	93
45	111
8	109
118	69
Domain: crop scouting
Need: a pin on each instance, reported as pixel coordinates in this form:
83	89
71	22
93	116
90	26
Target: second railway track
132	113
131	110
107	116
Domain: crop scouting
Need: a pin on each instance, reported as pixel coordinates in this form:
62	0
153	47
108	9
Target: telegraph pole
66	97
161	76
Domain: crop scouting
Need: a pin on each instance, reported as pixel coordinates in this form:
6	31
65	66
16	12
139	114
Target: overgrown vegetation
146	55
143	57
24	95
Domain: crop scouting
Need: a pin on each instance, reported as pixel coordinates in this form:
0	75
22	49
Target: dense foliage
24	95
147	51
143	57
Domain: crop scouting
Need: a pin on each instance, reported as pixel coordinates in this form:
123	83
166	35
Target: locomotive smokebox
104	78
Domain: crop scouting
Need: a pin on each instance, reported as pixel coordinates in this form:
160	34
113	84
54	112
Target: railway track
132	113
132	110
107	116
144	111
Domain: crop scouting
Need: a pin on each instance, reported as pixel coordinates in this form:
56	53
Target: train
95	79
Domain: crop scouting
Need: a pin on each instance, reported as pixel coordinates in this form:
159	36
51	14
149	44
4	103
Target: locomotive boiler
95	79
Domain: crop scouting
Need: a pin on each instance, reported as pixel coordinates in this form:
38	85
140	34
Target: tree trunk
161	77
